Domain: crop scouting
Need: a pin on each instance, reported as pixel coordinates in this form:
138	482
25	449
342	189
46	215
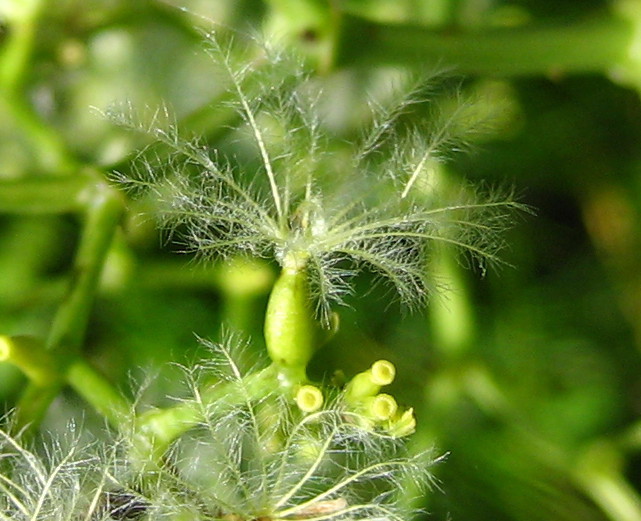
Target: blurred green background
528	377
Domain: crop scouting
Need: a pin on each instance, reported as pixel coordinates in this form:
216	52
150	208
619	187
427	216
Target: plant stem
157	429
616	497
68	330
593	45
44	194
102	217
29	355
21	258
100	394
599	474
19	45
32	407
49	148
451	318
241	282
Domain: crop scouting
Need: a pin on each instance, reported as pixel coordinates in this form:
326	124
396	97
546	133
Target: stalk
241	282
156	430
68	330
289	335
31	357
18	48
21	259
599	473
49	148
45	195
100	394
594	45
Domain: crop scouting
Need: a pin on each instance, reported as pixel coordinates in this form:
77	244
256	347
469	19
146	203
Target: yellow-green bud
402	424
369	383
382	407
309	398
383	372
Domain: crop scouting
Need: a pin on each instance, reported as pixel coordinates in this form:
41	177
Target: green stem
100	394
50	151
47	373
32	407
595	45
21	259
156	430
68	330
19	45
451	318
616	497
102	217
31	357
241	282
45	194
599	474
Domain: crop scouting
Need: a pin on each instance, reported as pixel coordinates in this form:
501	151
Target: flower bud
369	383
309	398
402	424
383	372
382	407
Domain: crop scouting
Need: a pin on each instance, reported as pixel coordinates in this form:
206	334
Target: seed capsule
289	326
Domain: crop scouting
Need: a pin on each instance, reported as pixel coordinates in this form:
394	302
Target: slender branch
30	356
50	149
17	50
103	214
156	430
100	394
598	473
596	45
68	330
45	194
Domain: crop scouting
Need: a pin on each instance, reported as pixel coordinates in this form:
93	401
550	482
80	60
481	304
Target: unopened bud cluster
376	409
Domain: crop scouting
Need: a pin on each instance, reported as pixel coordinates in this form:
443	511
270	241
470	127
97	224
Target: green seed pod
289	325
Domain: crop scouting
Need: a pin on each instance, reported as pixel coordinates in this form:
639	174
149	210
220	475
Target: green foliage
298	206
333	169
243	461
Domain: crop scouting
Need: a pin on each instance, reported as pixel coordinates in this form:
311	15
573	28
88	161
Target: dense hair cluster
251	459
287	191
